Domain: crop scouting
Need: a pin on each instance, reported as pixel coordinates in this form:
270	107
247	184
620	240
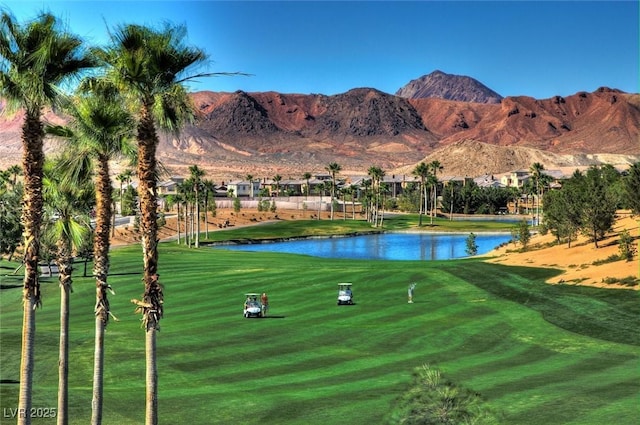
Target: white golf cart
252	306
345	295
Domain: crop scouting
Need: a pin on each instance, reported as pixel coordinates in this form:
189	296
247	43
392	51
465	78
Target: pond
385	246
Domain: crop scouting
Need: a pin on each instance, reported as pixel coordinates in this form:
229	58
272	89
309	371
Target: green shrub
626	247
433	400
610	259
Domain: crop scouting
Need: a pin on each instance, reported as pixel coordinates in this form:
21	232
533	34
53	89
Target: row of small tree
588	201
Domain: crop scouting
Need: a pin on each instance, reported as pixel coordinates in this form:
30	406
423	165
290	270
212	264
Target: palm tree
384	190
333	168
175	200
536	173
377	174
36	58
184	195
250	179
422	171
307	177
124	176
277	178
209	191
354	189
14	171
196	173
367	197
435	166
71	201
100	130
151	66
319	189
10	228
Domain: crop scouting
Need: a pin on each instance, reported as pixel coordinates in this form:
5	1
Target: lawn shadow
273	317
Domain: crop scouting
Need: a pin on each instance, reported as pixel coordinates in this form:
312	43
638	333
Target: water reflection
387	246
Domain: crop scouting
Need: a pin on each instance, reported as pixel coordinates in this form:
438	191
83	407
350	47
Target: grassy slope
312	362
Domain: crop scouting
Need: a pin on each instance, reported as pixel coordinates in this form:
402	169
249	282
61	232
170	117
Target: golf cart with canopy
345	295
252	306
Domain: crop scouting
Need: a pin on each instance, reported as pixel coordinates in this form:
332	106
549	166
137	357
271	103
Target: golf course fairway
536	353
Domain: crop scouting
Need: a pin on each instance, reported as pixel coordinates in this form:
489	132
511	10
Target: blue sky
539	48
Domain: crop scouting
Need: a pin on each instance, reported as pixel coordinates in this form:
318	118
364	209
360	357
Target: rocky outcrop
450	87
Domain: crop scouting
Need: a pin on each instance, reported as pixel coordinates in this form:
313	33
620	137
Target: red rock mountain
270	133
449	87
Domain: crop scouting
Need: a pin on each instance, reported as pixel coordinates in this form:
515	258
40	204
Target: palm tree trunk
206	215
197	221
433	205
98	368
26	365
64	267
151	304
113	222
101	246
333	196
353	206
151	413
33	158
421	204
178	222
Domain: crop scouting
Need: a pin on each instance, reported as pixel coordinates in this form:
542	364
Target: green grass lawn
537	354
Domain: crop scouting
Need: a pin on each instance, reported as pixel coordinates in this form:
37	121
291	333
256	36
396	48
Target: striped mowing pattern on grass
533	352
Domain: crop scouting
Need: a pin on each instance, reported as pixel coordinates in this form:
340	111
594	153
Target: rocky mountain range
269	133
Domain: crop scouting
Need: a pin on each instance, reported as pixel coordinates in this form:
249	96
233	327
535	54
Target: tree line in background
588	201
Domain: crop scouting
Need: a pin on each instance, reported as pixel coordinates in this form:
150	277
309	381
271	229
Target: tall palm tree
277	179
307	177
367	197
14	171
151	66
422	171
209	192
175	200
184	195
36	58
196	174
10	228
100	130
320	189
250	179
377	174
435	167
354	189
334	168
123	177
536	173
71	201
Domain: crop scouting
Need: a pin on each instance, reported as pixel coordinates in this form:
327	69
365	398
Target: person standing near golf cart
410	292
264	300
